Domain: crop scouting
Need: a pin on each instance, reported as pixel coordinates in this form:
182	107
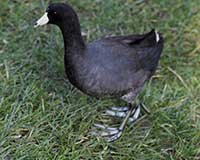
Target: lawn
43	117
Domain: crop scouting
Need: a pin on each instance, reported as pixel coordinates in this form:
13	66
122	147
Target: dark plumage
108	67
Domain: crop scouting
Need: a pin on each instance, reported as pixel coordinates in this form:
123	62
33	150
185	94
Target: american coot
115	66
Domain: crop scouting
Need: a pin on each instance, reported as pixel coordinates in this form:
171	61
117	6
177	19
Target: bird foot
111	134
121	112
108	133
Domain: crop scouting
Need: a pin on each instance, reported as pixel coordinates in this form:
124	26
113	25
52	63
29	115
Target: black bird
115	66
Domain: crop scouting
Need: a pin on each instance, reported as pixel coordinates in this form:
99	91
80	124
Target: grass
43	117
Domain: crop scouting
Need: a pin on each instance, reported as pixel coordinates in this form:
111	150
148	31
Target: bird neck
72	35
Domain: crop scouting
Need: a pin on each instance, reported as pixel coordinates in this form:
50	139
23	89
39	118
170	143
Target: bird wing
146	40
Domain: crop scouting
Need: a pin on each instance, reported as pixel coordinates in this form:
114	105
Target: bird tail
149	39
150	50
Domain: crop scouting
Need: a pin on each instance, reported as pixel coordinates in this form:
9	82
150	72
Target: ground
43	117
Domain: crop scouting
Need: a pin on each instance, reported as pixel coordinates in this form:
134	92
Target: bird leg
121	112
110	133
